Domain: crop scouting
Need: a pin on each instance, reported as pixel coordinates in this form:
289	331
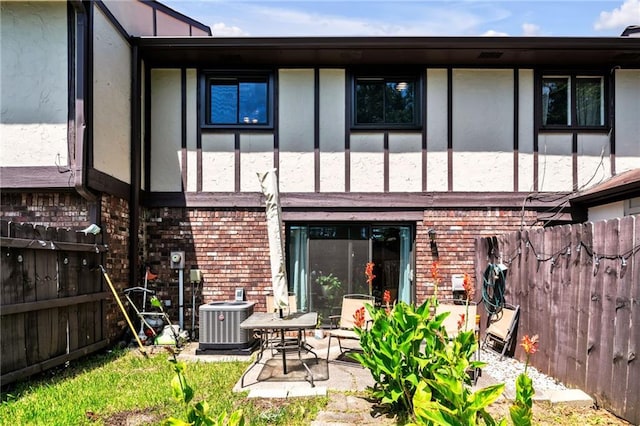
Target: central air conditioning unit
220	325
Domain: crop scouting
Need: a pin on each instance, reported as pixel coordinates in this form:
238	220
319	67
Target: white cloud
408	18
493	33
220	29
530	29
620	17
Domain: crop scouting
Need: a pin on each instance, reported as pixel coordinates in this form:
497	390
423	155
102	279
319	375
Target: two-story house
395	150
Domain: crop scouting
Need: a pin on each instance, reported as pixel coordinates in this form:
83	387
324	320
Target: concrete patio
342	376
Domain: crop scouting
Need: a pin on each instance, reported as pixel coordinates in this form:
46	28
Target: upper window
386	102
572	101
238	100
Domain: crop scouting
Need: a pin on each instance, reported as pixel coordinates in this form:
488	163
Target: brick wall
63	210
115	226
456	231
230	247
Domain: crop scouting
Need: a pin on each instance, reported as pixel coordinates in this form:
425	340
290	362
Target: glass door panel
327	261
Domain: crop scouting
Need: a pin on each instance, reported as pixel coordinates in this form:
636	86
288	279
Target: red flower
468	288
461	321
369	273
358	317
530	344
435	272
386	297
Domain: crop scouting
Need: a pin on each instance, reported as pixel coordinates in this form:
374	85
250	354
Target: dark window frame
207	77
386	76
573	76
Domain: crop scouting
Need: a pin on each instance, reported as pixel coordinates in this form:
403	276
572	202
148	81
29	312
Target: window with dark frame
238	100
386	102
572	101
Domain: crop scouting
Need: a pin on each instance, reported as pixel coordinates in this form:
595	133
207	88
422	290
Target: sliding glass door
327	261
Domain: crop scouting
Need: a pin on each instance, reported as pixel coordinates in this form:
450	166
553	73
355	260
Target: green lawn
112	387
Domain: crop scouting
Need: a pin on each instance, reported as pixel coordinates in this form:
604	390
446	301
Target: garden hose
493	288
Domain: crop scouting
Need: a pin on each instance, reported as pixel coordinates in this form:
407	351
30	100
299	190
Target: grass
119	386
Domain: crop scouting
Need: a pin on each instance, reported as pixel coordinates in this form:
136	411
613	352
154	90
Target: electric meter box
177	260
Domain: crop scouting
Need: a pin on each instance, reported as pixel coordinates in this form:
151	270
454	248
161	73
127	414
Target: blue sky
260	18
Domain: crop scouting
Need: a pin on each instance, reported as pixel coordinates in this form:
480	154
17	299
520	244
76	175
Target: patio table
268	322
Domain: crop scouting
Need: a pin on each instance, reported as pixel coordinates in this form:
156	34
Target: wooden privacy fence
578	287
52	306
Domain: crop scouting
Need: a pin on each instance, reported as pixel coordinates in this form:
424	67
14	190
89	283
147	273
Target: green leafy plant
399	350
332	286
446	398
196	413
521	410
419	371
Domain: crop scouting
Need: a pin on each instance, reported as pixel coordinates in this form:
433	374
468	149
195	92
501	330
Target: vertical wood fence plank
594	348
528	307
607	271
552	289
4	228
586	274
480	265
541	242
516	281
623	324
28	271
64	276
72	289
632	407
562	303
46	289
12	356
572	263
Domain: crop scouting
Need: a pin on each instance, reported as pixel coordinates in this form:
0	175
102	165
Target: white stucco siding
296	130
332	124
525	130
483	130
218	163
555	164
135	17
437	132
405	162
606	211
34	80
192	126
627	123
112	100
256	156
166	130
367	162
167	25
594	165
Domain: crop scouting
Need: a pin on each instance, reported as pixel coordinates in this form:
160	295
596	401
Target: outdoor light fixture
402	86
434	246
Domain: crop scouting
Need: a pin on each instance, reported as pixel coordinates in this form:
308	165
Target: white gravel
508	369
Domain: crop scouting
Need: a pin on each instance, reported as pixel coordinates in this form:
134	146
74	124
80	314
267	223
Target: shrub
418	370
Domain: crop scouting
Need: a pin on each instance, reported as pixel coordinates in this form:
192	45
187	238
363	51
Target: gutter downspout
80	67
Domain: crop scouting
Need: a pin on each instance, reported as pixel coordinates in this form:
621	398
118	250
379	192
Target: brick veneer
115	224
230	247
64	210
456	231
